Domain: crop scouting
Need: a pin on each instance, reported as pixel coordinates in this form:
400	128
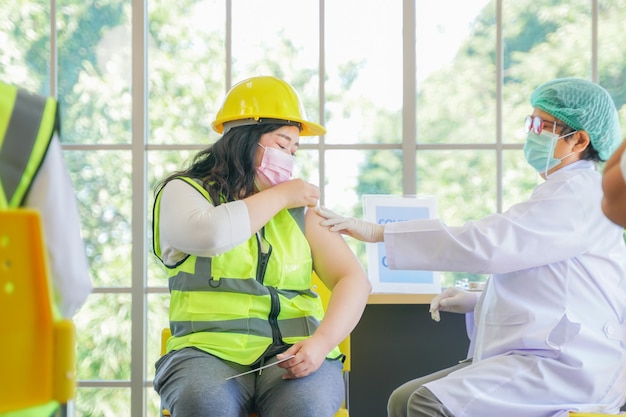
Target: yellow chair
37	354
324	293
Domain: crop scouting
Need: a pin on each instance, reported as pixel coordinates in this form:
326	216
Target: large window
418	97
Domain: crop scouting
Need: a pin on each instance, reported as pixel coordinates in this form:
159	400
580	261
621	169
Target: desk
396	341
400	298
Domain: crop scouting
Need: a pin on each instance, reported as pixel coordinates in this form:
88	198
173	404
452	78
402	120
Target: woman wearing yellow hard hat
240	247
257	99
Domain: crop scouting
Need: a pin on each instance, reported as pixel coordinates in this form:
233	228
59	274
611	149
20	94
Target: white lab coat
549	333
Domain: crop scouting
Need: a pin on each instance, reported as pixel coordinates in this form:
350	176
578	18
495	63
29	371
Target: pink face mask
276	166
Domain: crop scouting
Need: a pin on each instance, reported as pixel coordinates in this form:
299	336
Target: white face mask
276	166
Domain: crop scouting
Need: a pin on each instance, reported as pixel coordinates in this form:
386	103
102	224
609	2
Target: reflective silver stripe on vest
298	215
184	281
20	139
298	327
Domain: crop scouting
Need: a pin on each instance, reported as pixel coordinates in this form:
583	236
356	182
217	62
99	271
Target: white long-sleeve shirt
190	224
52	194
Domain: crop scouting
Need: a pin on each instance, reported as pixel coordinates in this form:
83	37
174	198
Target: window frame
140	147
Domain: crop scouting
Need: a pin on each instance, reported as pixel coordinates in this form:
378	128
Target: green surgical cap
582	105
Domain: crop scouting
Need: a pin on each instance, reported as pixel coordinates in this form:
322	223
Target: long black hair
226	169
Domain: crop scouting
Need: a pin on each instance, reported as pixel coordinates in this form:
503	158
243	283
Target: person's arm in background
339	269
52	194
614	187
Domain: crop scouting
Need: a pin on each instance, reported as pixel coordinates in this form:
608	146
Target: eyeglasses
537	124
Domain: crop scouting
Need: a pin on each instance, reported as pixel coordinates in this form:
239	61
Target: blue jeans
193	383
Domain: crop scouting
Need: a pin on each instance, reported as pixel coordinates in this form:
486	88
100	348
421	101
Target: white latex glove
453	300
358	229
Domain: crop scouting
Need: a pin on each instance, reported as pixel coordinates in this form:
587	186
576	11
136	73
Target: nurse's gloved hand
453	300
358	229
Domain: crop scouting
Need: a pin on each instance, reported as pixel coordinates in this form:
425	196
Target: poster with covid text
383	209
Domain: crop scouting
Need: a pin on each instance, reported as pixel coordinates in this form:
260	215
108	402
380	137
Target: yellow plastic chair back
320	288
36	354
324	293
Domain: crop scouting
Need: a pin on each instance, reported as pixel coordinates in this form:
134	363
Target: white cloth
550	333
190	225
53	195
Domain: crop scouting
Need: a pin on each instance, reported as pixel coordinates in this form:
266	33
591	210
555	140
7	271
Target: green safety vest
27	124
237	304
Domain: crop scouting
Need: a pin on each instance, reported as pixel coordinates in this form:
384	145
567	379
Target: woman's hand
309	356
298	193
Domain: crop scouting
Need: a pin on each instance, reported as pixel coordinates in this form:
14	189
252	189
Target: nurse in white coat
549	334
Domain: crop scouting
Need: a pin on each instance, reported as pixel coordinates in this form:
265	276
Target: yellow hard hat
257	98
